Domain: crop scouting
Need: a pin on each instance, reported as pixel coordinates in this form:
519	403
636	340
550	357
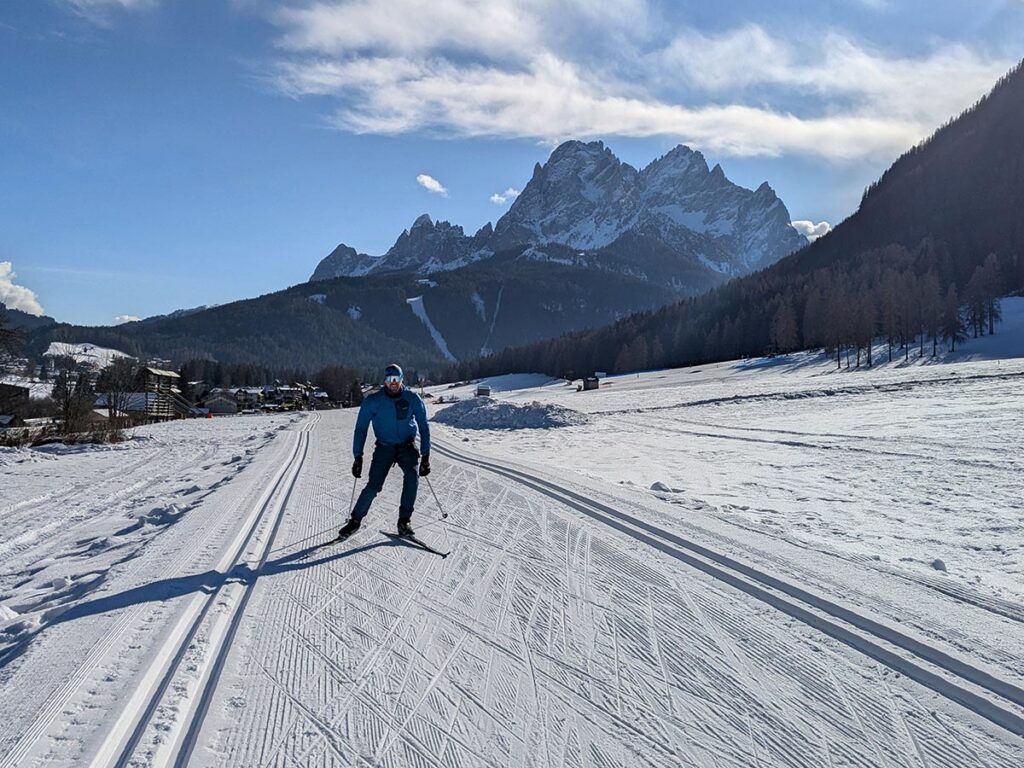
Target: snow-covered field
730	566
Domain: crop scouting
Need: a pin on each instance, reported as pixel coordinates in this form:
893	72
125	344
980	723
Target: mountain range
588	200
590	240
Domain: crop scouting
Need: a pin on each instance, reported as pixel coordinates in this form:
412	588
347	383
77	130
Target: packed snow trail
726	569
549	636
545	639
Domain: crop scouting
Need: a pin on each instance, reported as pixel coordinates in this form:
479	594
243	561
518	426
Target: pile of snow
487	413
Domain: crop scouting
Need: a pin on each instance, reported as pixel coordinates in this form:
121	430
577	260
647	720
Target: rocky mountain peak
679	162
585	198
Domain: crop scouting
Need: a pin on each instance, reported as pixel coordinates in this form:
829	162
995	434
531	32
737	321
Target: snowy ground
773	601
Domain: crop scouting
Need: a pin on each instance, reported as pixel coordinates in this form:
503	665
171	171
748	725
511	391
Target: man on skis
395	413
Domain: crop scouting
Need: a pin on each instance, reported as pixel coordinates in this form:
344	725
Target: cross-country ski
412	541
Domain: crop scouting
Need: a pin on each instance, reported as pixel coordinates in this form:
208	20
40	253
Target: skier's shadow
178	586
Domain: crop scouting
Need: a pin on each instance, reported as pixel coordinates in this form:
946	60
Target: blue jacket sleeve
362	425
424	427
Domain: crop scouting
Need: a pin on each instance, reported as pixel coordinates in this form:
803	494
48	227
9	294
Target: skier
395	413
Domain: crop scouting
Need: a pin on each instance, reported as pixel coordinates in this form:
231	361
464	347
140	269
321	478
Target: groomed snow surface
730	566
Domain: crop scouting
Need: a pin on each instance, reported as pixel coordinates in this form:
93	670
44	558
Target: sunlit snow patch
421	312
84	353
486	413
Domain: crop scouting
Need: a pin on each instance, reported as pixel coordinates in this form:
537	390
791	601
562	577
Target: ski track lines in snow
119	739
744	577
193	688
547	640
544	639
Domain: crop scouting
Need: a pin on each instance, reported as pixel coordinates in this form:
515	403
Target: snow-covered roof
160	372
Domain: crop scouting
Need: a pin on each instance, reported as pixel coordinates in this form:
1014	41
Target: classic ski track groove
993	604
99	652
750	581
374	656
127	732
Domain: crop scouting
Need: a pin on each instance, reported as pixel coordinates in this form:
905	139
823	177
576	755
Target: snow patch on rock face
478	304
487	413
318	298
355	312
420	311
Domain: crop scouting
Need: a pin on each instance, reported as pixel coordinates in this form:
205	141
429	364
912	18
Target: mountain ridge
584	197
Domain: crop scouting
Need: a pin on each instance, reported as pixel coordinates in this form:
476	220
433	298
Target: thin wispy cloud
100	11
500	198
15	296
431	184
502	69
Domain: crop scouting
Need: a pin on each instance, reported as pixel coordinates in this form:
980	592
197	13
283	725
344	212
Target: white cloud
810	230
126	319
553	100
431	184
838	71
98	11
510	69
500	198
17	296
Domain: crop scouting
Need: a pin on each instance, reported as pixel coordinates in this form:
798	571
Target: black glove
357	467
424	466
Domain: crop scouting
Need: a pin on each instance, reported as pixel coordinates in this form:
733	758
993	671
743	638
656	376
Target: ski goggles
393	377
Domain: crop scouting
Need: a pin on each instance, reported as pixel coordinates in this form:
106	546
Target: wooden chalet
164	400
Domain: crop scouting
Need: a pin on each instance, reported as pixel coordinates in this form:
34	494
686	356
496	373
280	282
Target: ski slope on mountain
165	602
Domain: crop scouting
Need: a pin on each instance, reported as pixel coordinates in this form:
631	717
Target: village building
9	421
166	401
221	402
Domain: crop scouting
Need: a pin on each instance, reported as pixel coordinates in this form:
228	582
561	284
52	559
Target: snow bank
487	413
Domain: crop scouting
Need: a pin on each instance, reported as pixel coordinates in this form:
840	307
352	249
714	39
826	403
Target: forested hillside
934	242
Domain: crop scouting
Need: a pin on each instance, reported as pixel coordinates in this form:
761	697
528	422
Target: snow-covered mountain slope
426	247
585	198
84	352
774	599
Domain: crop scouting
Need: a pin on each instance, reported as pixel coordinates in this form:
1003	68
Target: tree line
904	297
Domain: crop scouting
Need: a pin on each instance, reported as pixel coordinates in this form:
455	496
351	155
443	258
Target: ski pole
430	485
325	530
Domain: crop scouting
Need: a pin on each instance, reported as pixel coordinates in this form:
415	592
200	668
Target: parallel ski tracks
120	742
995	699
259	531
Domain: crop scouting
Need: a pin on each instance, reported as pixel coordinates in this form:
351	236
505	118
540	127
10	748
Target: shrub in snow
487	413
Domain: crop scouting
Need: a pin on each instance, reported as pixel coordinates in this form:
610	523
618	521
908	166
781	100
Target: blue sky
158	154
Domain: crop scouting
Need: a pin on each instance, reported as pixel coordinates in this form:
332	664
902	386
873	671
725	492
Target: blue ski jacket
394	420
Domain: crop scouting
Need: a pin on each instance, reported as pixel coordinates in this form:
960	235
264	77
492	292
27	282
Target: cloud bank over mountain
551	69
